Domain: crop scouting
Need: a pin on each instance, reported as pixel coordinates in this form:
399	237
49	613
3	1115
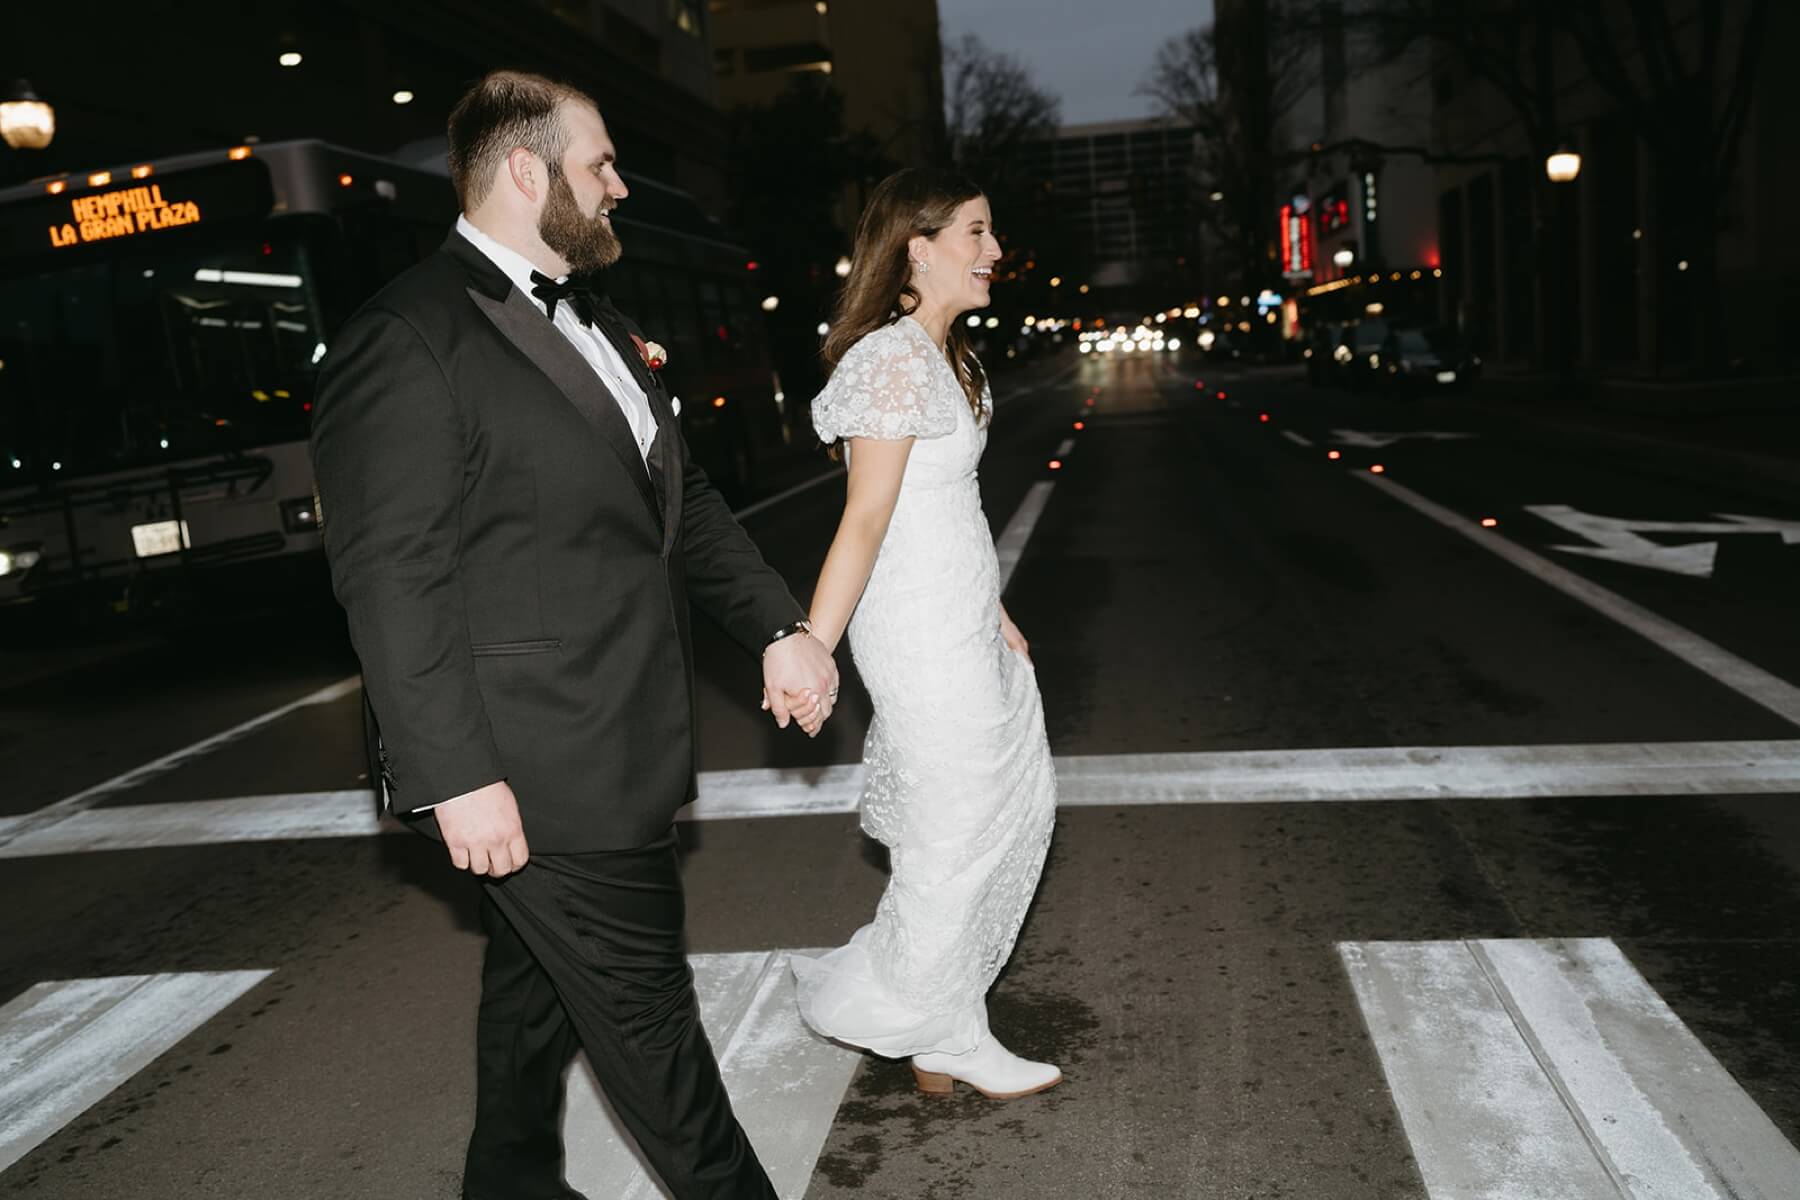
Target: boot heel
933	1084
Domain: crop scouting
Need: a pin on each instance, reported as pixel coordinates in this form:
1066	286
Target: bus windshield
152	353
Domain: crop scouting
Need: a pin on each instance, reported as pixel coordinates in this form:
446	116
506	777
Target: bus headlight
16	560
300	515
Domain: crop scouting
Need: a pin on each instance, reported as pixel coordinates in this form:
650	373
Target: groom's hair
504	111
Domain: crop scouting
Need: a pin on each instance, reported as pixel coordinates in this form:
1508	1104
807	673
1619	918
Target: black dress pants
587	950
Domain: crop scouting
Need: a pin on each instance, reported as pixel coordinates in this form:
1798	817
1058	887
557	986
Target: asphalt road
1252	949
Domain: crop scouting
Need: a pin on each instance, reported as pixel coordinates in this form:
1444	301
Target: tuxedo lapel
521	322
612	323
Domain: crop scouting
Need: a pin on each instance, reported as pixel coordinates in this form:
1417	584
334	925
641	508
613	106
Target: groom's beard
585	243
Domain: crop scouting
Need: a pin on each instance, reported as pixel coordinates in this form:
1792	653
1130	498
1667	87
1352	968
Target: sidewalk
1754	449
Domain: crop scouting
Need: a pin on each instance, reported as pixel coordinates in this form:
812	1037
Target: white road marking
750	510
65	1045
203	822
785	1084
1524	1069
1224	777
1067	446
1377	441
1009	547
1619	539
17	827
1299	439
1741	676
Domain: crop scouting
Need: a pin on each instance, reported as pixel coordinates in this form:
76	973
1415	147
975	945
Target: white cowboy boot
989	1068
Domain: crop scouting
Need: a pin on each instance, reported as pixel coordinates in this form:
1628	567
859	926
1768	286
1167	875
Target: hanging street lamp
26	121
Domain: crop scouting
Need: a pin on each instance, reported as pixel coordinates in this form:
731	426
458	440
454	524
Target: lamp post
26	121
1562	167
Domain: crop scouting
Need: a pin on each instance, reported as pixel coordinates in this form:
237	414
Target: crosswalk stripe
1225	777
16	827
785	1084
1531	1068
65	1045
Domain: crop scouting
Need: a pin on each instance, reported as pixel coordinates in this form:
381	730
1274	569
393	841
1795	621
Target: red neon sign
1296	241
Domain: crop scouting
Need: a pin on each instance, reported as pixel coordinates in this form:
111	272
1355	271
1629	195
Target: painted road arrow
1620	539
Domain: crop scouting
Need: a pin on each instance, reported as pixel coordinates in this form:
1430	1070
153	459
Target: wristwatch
788	631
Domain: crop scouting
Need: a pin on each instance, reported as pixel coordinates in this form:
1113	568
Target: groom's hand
482	831
792	668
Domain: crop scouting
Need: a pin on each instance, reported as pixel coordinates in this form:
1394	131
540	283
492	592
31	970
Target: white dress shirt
589	341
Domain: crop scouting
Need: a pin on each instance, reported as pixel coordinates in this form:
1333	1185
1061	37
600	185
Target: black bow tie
577	292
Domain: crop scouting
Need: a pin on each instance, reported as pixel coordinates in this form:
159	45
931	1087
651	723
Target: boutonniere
654	355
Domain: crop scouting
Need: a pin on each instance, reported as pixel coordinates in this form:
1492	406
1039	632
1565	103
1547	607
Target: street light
1344	257
26	122
1563	165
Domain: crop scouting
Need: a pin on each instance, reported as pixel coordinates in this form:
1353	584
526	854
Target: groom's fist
482	831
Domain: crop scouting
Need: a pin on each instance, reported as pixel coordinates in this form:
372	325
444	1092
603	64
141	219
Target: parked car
1321	340
1356	358
1414	360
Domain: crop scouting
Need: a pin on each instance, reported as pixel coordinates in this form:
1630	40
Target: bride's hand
1014	639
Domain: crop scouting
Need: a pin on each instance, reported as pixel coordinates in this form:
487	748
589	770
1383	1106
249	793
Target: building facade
1600	274
647	63
882	57
1123	191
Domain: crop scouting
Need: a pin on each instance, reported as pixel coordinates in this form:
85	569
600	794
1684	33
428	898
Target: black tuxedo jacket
517	590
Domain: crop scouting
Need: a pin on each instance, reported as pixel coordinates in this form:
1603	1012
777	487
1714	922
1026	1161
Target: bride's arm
876	468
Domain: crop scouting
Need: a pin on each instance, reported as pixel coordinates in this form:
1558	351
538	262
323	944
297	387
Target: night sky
1093	53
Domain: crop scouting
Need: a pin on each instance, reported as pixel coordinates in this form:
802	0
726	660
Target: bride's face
961	259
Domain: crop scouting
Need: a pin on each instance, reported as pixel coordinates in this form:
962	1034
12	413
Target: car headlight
17	560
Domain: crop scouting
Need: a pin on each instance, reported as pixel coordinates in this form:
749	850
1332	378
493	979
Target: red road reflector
1264	418
1090	402
1488	522
1056	464
1080	425
1221	395
1333	455
1378	469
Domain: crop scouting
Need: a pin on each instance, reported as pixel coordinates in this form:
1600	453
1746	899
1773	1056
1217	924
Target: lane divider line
16	827
750	510
65	1045
1550	1067
1740	675
1299	439
1063	450
1353	775
1009	547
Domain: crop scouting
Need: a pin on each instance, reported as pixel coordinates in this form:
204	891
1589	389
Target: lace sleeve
885	387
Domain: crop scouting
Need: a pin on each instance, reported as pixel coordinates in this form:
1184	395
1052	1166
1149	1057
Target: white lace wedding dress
960	785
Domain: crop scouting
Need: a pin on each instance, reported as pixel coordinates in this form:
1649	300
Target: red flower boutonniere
654	355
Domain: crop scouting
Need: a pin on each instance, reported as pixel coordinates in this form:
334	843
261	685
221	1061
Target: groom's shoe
989	1068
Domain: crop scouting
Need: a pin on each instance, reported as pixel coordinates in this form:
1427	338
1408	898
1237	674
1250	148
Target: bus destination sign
142	208
122	213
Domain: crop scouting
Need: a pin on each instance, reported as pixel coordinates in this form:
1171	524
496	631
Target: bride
960	785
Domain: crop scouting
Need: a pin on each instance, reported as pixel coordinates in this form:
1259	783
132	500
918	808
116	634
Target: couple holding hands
517	534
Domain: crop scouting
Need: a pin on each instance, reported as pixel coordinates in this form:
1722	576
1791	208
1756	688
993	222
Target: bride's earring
920	267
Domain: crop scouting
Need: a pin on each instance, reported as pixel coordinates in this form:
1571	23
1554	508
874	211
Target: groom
516	531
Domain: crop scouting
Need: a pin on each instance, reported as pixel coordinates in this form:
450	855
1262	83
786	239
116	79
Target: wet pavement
1201	581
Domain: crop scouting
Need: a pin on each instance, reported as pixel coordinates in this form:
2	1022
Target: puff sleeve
887	386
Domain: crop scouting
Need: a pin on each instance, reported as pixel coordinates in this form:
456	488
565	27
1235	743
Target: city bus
163	325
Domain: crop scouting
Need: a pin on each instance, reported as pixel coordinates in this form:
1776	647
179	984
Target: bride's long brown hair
917	201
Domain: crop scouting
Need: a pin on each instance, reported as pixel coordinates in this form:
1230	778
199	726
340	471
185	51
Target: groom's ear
524	172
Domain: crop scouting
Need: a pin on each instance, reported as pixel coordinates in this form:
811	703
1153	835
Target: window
685	16
790	57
